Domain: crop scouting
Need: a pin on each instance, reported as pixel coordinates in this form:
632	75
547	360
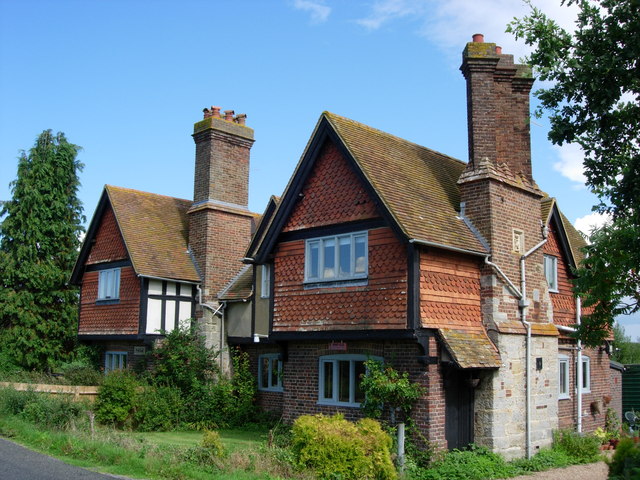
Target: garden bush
582	448
625	463
158	409
49	411
335	448
117	398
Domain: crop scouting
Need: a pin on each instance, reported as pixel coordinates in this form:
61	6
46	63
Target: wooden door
458	408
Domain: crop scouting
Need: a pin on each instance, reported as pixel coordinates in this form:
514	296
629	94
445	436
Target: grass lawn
233	439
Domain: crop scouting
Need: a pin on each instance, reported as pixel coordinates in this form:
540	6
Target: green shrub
56	412
582	448
182	360
82	375
625	463
545	459
13	402
158	409
476	463
116	398
49	411
385	386
335	448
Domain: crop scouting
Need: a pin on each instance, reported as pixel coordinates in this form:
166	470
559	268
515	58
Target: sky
127	79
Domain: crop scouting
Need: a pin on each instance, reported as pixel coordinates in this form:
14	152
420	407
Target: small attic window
518	241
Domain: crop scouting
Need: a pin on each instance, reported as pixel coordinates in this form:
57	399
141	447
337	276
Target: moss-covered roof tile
155	229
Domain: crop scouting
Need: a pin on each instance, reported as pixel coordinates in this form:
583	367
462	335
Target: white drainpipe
579	366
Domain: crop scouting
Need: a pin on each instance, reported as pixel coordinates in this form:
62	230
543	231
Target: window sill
564	397
108	301
551	290
274	389
339	404
355	282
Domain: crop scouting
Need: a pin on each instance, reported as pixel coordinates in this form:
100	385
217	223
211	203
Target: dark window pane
329	268
328	380
274	372
264	373
344	380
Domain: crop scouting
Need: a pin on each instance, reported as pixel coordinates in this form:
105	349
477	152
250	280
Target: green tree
594	100
38	248
624	350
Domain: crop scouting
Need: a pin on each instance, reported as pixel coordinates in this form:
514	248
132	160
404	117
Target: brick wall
266	400
381	303
301	378
564	303
594	403
121	318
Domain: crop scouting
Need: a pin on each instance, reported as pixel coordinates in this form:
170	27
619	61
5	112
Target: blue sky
126	80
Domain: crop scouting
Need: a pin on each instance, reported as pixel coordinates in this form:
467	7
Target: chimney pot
215	112
498	50
206	112
478	38
241	119
228	115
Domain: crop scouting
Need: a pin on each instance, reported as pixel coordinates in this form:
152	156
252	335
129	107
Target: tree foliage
38	248
594	101
624	349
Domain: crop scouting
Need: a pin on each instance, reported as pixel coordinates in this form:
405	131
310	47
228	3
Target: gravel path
592	471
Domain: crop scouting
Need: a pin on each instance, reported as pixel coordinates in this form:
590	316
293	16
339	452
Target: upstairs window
109	284
270	372
551	272
335	258
265	283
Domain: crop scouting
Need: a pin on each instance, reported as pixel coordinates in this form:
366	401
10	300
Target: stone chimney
219	220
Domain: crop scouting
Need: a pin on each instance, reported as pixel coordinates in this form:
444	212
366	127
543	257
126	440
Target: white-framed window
109	284
563	376
337	257
551	272
340	377
115	361
584	374
270	372
265	281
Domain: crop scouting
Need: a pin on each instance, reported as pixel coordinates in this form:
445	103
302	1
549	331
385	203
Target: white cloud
318	10
385	11
570	163
591	221
451	23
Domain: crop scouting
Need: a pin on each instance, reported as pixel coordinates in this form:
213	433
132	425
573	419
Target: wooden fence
78	392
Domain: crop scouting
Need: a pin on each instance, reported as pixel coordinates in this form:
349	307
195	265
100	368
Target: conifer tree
39	240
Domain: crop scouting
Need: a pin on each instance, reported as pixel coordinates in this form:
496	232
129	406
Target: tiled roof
417	185
470	349
575	239
155	229
240	287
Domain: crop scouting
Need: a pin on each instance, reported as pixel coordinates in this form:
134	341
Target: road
19	463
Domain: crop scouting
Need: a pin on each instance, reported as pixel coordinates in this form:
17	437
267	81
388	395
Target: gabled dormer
134	267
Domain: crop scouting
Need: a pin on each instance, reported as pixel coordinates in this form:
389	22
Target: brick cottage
457	273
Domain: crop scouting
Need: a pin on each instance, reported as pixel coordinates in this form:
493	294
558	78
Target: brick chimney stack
497	190
219	220
497	108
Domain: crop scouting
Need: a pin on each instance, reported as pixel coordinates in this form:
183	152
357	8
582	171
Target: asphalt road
19	463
